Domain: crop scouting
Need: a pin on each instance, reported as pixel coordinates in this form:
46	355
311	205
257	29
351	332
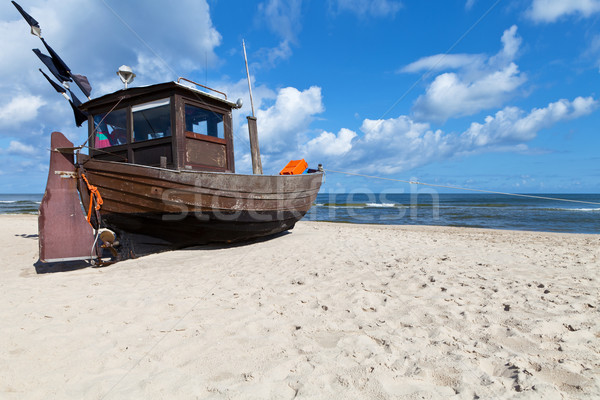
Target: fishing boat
168	170
160	171
161	165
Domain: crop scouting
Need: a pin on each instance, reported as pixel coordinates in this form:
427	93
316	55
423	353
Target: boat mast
252	129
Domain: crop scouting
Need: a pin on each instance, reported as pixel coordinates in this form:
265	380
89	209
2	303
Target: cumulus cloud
449	95
399	144
281	124
372	8
479	84
330	144
125	37
511	126
552	10
94	39
283	119
19	109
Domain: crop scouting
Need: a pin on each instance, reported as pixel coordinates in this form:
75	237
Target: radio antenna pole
248	75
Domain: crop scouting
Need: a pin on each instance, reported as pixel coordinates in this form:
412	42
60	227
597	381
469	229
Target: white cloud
330	144
552	10
440	62
510	125
511	43
189	22
19	109
93	41
398	144
373	8
477	86
72	28
18	148
281	124
450	96
270	57
282	17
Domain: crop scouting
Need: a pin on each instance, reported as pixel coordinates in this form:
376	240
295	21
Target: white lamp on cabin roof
126	74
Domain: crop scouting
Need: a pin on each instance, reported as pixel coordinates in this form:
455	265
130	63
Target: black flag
55	85
50	64
35	26
80	116
60	65
76	101
83	83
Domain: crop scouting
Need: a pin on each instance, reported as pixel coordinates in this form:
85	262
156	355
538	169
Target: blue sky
498	95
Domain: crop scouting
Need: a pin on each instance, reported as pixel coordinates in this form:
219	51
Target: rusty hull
64	233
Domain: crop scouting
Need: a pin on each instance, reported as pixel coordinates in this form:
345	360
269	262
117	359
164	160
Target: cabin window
110	129
204	122
151	120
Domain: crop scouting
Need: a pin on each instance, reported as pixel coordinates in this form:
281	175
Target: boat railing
202	86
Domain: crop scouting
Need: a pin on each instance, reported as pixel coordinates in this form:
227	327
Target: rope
467	189
94	193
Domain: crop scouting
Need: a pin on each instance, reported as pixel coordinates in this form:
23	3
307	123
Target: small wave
343	205
18	202
574	209
359	205
489	205
381	205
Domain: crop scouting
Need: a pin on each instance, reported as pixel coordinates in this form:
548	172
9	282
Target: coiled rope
462	188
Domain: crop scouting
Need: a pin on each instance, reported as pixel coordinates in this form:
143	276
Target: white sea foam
576	209
386	205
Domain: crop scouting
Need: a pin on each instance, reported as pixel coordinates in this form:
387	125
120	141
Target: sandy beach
325	311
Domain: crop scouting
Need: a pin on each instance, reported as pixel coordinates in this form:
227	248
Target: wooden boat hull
186	208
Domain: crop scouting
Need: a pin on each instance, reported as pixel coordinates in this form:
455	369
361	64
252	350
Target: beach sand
326	311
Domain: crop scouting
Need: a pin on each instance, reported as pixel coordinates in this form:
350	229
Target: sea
573	213
20	203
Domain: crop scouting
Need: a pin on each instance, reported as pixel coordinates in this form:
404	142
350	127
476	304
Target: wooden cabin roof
140	93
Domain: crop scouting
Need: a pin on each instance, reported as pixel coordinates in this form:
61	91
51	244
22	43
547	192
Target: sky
490	94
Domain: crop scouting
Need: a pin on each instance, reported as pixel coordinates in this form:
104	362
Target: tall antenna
252	127
248	74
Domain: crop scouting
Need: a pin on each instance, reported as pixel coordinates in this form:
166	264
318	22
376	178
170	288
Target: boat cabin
167	125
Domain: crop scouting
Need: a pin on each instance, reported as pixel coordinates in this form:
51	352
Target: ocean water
469	210
20	203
